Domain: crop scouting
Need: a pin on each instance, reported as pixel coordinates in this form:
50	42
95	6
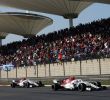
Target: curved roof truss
24	24
66	8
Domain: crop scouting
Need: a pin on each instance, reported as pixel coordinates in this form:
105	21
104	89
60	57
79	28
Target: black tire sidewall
81	87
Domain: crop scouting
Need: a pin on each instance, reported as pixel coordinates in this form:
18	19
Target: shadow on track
103	93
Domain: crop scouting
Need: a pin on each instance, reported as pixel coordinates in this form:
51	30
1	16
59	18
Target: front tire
82	87
55	87
13	85
40	84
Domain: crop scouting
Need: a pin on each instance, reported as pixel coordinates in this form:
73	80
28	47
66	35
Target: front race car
76	84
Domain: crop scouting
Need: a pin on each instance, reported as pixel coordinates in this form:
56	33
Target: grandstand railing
85	67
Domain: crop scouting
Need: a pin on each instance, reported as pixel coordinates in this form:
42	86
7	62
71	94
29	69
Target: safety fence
86	67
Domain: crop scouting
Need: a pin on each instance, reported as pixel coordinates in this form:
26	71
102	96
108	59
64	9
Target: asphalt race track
45	93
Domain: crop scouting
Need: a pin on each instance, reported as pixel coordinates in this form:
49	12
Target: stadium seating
83	42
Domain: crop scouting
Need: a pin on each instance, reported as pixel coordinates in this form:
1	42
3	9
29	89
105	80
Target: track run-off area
45	93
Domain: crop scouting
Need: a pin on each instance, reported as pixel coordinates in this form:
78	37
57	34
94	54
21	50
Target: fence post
0	73
7	72
49	70
45	69
37	71
63	68
16	72
34	69
80	67
26	70
100	71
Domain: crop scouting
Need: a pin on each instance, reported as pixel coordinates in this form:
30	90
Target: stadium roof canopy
66	8
95	1
3	35
25	24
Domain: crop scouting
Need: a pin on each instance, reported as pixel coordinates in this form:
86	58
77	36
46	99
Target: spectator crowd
83	42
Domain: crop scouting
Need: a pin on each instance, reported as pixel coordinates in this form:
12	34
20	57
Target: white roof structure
66	8
3	35
25	24
95	1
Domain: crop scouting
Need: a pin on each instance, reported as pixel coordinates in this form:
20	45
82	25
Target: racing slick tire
26	85
40	84
55	87
98	84
13	85
82	87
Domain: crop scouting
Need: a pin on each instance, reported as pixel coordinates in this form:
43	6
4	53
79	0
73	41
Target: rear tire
40	84
82	87
98	84
55	87
13	85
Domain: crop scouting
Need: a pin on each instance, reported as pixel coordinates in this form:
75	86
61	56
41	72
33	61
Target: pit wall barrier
87	67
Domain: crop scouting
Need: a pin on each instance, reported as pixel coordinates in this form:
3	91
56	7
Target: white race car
76	84
23	82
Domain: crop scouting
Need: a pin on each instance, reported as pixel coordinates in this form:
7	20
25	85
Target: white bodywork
22	81
75	83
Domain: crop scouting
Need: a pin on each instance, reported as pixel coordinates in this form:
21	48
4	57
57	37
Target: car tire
98	84
40	84
55	87
81	87
26	85
104	88
13	85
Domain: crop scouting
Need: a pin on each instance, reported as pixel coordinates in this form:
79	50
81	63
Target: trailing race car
76	84
26	83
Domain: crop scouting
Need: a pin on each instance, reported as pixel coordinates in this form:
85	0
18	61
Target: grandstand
83	42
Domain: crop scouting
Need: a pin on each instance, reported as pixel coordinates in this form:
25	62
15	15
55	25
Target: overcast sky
94	12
